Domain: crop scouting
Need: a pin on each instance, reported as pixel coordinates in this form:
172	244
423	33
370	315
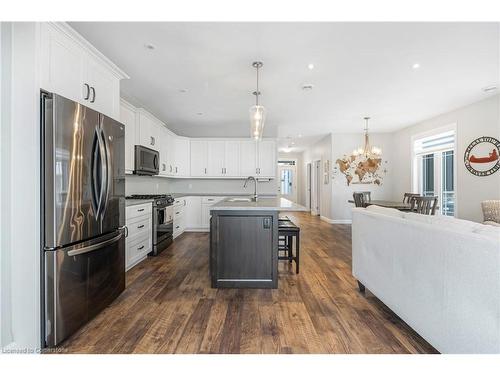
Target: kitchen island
244	241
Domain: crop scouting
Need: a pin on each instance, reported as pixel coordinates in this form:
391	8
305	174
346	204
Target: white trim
336	221
415	186
74	35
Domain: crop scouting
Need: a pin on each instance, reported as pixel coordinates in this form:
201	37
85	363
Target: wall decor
326	172
481	158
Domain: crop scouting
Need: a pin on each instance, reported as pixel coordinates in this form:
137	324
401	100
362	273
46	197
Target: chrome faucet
255	196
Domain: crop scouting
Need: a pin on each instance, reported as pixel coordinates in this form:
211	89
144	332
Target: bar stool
287	230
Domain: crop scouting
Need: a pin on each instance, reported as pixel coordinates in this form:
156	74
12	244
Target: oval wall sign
482	157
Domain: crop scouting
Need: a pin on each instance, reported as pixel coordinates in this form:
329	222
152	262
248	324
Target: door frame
315	184
295	183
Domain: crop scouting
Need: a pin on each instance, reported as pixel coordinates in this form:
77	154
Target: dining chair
424	205
361	198
407	198
491	211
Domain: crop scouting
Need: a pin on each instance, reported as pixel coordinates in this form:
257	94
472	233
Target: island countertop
262	204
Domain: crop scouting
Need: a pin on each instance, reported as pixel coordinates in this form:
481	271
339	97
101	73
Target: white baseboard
332	221
201	230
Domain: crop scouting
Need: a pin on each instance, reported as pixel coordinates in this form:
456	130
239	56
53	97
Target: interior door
113	207
288	182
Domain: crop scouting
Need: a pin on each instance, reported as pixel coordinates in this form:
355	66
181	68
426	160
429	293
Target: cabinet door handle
140	226
93	95
141	247
152	142
205	170
177	227
170	168
175	169
140	210
87	95
178	212
164	167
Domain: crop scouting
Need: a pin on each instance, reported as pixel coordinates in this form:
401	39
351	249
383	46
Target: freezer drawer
80	281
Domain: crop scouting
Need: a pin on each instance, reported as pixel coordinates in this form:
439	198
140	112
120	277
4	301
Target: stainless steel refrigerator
83	214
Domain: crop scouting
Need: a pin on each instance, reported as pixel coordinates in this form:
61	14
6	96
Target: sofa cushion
495	224
385	211
448	222
489	231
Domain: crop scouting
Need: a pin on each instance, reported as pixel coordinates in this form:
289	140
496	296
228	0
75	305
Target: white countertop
262	204
133	202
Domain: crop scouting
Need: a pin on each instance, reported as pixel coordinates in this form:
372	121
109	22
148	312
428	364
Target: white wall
321	150
20	188
190	185
344	144
472	121
163	185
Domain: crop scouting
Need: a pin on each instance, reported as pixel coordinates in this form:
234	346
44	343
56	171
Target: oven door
146	161
164	224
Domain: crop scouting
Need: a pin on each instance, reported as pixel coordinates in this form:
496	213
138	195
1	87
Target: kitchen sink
241	199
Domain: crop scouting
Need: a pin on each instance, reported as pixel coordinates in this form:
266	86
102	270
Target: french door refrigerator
83	214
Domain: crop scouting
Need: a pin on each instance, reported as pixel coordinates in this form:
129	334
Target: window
434	168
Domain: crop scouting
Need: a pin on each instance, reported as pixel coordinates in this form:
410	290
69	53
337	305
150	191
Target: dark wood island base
243	249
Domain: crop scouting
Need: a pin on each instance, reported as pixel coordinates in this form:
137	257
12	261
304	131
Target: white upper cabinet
181	157
149	130
266	162
248	158
164	143
128	118
216	158
73	68
232	159
198	158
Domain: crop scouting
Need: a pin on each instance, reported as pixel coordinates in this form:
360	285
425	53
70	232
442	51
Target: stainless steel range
163	220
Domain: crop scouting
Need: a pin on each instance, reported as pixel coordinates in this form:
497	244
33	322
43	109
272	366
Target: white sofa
440	275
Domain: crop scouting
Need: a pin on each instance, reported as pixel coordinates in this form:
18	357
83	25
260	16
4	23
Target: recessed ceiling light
490	88
183	90
199	113
307	87
310	66
149	46
416	66
300	135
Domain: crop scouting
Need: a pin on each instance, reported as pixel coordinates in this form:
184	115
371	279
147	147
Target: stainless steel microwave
147	161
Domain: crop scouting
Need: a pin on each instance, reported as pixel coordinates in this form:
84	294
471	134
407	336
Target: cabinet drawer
138	210
138	248
138	226
178	212
180	202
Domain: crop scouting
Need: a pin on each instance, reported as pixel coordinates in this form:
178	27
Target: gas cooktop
148	196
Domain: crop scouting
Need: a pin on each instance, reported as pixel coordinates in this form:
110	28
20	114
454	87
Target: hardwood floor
169	307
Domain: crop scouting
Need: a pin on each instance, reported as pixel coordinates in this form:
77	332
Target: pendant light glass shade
257	120
257	112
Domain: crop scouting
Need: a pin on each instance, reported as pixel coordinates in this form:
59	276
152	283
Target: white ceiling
359	69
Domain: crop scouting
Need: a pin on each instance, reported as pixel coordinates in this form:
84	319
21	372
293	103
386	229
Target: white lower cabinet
139	233
179	212
192	213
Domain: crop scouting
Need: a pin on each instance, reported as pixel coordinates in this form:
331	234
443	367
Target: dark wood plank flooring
169	307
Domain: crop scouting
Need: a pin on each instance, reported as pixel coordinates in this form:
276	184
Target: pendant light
257	112
367	151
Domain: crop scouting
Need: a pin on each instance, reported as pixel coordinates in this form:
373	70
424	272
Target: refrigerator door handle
96	202
106	181
96	246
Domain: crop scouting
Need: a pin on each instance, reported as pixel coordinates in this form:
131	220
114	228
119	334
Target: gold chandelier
367	151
